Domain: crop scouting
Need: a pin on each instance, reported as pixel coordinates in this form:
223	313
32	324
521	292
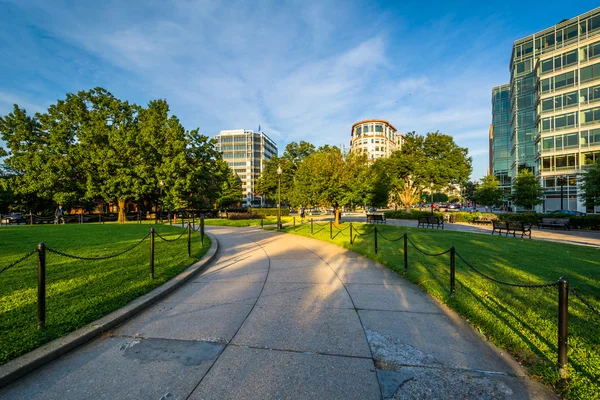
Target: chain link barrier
60	253
536	285
389	240
364	233
341	230
170	240
317	224
585	302
426	253
25	257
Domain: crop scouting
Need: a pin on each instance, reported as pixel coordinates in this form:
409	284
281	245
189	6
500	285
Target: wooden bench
499	226
518	226
554	223
376	218
484	219
432	222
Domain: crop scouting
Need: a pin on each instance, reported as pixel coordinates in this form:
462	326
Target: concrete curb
13	370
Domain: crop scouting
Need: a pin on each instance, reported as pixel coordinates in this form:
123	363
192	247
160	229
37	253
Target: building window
590	116
366	128
378	128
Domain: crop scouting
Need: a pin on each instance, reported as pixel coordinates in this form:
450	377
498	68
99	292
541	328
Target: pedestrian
58	215
486	208
301	213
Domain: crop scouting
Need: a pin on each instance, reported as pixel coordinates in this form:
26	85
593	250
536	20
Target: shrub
237	210
530	218
587	222
270	211
244	215
414	214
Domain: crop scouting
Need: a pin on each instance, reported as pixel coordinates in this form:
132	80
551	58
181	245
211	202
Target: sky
302	70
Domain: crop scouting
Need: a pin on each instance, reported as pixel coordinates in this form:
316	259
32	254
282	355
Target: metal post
311	227
452	269
330	230
351	234
30	218
193	220
294	223
262	222
375	237
41	285
279	203
405	252
81	218
202	229
182	219
152	253
189	229
563	325
170	221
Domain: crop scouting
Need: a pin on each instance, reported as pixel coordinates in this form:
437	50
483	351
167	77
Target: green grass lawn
246	222
522	321
79	292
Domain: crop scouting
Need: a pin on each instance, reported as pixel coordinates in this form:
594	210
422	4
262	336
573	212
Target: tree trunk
338	216
122	218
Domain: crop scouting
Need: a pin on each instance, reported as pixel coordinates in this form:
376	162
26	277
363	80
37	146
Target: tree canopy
590	185
489	192
528	191
92	146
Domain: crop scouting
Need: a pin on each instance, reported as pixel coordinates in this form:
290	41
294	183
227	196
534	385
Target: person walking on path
58	215
301	213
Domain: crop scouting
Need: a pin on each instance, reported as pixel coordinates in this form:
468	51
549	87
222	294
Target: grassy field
79	292
522	321
245	222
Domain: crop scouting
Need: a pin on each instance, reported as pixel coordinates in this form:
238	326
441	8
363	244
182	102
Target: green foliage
231	189
79	292
489	192
424	161
590	185
440	198
246	215
527	218
269	211
521	321
92	146
587	222
528	190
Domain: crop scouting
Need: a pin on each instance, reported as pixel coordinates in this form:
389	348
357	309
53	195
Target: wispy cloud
303	71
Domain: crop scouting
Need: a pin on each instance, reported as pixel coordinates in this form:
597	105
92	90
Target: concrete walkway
278	316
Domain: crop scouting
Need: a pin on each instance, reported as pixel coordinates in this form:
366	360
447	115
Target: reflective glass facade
500	134
555	107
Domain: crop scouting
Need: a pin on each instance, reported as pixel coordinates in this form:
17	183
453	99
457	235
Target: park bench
499	226
518	226
484	219
376	218
432	222
554	223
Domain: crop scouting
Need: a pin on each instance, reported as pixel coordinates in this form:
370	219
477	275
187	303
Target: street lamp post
432	199
562	182
279	171
160	185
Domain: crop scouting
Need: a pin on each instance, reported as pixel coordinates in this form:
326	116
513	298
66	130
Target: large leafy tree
290	160
489	192
231	186
427	163
527	190
590	185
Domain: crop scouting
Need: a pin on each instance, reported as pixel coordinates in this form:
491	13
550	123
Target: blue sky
303	70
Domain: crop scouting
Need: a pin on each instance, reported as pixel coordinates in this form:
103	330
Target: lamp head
279	171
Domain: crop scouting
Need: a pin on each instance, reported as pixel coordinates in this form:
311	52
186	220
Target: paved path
278	316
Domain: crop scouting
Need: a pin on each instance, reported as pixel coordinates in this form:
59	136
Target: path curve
278	316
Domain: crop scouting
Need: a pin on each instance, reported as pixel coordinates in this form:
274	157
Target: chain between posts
585	302
171	240
424	252
25	257
61	253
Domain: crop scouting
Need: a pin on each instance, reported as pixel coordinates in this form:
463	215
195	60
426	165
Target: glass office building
246	153
555	107
500	134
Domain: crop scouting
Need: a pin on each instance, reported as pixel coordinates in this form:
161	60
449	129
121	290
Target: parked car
566	212
454	206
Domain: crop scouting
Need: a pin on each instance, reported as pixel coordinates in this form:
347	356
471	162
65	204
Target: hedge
270	211
243	215
587	222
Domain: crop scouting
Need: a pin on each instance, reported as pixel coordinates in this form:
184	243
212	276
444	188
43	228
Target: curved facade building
376	137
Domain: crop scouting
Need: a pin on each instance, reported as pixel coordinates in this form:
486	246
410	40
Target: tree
590	185
489	192
434	160
231	188
527	191
268	182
